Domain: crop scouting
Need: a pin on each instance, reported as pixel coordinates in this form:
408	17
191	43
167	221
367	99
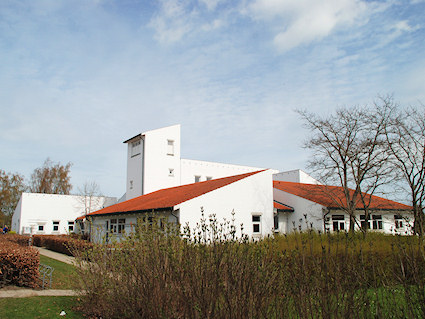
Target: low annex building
53	214
320	207
248	196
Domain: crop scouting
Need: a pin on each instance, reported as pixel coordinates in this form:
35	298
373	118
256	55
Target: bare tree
90	196
348	151
11	188
51	178
90	199
406	143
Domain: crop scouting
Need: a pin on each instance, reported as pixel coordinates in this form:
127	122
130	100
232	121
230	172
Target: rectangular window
121	225
55	226
377	221
363	221
171	172
70	226
135	148
117	225
170	147
256	224
40	227
276	222
197	178
338	222
208	178
162	223
147	222
398	220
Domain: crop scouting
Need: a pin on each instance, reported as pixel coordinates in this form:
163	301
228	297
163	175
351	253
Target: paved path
18	292
54	255
24	293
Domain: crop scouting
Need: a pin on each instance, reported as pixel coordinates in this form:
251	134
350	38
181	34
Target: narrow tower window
170	147
135	148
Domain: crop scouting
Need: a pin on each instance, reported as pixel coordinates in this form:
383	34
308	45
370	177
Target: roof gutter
372	209
143	211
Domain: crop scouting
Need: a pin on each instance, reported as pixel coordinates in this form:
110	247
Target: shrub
157	274
21	240
61	243
19	264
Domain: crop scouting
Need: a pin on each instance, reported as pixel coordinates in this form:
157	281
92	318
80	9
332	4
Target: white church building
162	184
262	201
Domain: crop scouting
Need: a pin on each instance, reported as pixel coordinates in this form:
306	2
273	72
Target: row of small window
56	226
117	225
374	222
136	148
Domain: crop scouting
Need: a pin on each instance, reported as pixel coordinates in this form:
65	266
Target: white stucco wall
251	195
296	176
149	171
388	222
34	210
192	168
283	222
301	206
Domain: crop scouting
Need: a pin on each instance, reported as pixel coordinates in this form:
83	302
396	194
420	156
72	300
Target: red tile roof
333	196
280	206
170	197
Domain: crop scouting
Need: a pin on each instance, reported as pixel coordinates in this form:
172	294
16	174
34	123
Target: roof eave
133	138
142	211
373	209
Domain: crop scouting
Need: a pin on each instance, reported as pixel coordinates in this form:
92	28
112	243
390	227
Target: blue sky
77	78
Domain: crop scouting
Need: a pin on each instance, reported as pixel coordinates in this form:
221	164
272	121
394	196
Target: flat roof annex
169	197
333	196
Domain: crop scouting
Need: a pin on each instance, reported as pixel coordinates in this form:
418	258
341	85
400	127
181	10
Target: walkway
54	255
19	292
16	292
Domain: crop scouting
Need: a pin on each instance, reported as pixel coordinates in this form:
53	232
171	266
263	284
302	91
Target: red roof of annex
333	196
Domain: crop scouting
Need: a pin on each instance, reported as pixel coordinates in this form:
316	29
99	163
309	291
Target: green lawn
62	275
38	307
44	307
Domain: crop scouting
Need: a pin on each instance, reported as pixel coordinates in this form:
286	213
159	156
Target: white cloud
303	21
172	22
403	26
211	4
176	19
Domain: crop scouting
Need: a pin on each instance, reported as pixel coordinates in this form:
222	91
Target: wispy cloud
78	77
299	22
